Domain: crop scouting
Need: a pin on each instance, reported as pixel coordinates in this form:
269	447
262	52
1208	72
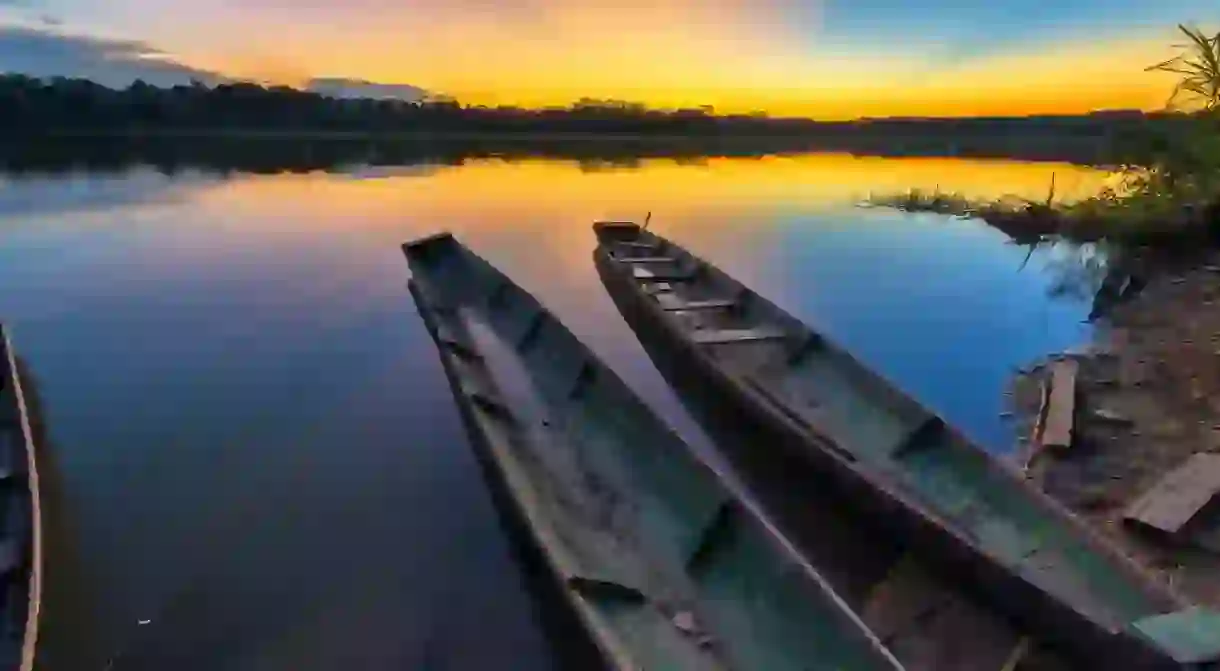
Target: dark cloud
116	63
46	52
359	88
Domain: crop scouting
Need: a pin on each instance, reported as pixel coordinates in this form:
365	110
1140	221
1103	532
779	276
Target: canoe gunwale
612	650
35	549
928	531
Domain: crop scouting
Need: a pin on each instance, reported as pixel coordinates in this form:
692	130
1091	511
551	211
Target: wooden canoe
662	565
930	622
901	464
21	533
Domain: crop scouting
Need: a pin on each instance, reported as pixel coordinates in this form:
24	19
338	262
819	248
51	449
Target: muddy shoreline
1148	397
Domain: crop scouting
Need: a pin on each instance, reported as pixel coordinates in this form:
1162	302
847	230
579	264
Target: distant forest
32	106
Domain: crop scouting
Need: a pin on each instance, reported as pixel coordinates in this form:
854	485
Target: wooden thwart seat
471	383
604	588
532	329
722	336
1179	496
671	303
459	348
671	275
920	435
646	259
713	534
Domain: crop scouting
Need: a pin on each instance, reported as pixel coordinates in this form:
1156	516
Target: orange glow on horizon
683	54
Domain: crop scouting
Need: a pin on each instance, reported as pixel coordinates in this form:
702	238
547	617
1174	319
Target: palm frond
1199	69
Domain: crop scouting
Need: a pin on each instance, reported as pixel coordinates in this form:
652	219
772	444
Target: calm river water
251	441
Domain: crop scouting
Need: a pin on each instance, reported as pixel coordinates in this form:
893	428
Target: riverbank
1148	397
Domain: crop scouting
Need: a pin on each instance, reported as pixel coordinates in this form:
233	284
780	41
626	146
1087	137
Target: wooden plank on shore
1061	407
1035	445
1179	496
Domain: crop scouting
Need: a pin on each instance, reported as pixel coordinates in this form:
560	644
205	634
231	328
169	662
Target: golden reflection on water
494	193
499	201
501	188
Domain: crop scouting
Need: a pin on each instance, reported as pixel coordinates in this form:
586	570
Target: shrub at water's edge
1022	219
1170	196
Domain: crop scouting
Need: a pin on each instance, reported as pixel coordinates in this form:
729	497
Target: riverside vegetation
1166	195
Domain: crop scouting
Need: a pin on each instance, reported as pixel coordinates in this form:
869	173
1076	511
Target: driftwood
1055	424
1061	408
1035	438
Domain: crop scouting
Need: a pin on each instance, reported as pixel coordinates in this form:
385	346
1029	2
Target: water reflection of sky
257	442
80	191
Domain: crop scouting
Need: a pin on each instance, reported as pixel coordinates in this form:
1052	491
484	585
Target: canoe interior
665	567
884	433
20	534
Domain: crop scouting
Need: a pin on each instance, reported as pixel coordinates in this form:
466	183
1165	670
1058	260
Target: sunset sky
820	58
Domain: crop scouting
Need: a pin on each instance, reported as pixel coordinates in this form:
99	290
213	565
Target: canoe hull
1039	612
22	492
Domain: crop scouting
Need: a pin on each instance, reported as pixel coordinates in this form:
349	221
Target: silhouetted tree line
32	106
64	103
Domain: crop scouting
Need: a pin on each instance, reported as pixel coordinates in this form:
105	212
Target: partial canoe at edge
665	567
21	533
898	460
